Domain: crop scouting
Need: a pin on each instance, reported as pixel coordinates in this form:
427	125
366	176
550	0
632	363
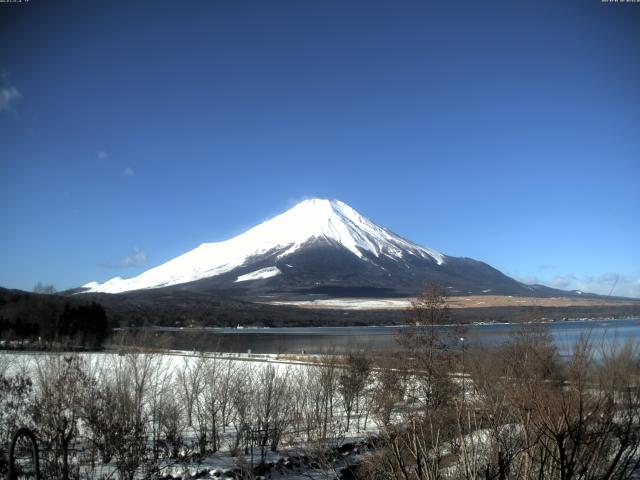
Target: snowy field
173	415
314	439
350	303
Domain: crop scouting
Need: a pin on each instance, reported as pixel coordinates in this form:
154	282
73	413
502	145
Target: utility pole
463	372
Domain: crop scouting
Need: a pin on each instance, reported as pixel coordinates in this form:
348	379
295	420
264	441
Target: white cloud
137	259
8	96
128	172
609	283
102	154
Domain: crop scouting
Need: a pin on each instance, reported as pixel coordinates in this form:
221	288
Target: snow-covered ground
259	274
296	458
25	362
350	303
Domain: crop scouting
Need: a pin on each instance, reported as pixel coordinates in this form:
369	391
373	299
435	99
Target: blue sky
509	132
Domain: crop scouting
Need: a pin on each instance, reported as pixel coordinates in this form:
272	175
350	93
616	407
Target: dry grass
509	301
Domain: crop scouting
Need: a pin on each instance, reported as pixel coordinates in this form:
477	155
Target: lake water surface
341	339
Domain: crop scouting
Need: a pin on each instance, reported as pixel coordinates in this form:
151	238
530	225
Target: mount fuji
319	247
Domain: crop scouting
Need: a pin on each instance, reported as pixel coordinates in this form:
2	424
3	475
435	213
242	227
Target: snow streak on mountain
311	222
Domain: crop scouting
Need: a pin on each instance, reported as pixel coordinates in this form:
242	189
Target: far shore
458	302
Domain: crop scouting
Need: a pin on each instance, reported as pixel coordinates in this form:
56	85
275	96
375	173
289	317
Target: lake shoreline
320	340
379	339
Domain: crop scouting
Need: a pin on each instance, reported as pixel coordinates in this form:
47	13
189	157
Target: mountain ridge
316	246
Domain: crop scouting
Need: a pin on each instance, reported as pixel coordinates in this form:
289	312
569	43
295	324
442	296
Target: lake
342	339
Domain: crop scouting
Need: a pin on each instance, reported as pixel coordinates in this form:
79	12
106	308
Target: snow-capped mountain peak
335	221
308	222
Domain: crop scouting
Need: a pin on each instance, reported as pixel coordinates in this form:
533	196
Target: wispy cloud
545	266
128	172
137	259
102	154
9	95
609	283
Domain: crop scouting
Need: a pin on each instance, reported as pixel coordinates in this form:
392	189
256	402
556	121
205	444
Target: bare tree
429	353
171	424
191	378
45	288
271	408
15	398
213	401
130	384
56	409
352	382
228	377
307	402
242	399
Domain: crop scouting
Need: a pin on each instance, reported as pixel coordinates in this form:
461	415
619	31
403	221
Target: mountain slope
318	246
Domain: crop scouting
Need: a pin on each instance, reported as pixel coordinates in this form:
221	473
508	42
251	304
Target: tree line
50	321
